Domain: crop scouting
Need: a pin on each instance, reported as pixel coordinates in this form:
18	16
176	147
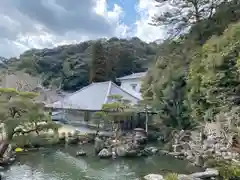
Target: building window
134	86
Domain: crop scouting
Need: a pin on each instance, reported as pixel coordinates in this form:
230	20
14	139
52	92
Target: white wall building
132	83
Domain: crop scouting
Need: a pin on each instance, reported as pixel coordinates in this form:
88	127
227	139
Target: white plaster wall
126	84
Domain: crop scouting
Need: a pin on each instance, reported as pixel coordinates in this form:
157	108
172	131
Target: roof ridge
131	75
108	91
125	91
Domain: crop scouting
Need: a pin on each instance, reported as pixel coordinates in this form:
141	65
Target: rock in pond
153	177
98	144
72	140
209	173
126	150
104	153
81	153
150	151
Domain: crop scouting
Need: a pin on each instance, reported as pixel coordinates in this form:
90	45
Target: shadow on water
61	164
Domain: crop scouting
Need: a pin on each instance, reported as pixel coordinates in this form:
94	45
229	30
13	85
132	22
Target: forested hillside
69	67
196	76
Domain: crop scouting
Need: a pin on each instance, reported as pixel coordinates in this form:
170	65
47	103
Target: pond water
61	164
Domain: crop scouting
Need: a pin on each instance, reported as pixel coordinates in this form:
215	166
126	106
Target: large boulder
98	145
208	174
125	150
153	177
105	153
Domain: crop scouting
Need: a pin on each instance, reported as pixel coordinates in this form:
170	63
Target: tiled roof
133	76
92	97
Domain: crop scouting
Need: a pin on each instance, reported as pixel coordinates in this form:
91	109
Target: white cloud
113	16
146	9
56	23
45	24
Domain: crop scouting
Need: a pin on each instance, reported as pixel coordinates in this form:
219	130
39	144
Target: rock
150	150
210	142
81	153
199	161
177	148
209	152
98	145
1	168
72	140
153	177
176	153
126	150
209	173
160	138
223	149
184	177
234	178
163	152
11	160
186	146
104	153
121	150
218	153
140	136
114	155
189	155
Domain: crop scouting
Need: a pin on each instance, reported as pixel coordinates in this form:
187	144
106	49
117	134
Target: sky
26	24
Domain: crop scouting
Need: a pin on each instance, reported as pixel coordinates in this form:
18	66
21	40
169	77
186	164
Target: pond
62	164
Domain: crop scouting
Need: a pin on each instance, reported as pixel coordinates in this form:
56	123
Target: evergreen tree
99	65
184	13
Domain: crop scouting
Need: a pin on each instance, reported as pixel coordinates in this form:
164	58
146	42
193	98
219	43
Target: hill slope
68	66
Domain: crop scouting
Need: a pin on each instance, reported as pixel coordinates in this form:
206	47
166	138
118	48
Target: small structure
78	108
132	83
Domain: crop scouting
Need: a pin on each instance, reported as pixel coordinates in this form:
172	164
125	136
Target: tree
21	115
183	14
165	84
115	111
99	65
214	78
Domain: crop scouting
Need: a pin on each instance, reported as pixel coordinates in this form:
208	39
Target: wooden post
146	122
86	116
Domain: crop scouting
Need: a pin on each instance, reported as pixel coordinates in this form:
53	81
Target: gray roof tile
92	97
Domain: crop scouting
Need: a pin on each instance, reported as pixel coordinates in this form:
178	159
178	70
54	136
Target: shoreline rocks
130	144
191	145
207	174
153	177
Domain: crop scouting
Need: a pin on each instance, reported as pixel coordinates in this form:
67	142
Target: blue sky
26	24
129	7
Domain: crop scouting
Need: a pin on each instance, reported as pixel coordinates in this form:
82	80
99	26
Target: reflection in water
61	164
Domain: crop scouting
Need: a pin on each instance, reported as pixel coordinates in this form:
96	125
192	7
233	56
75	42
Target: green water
61	164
